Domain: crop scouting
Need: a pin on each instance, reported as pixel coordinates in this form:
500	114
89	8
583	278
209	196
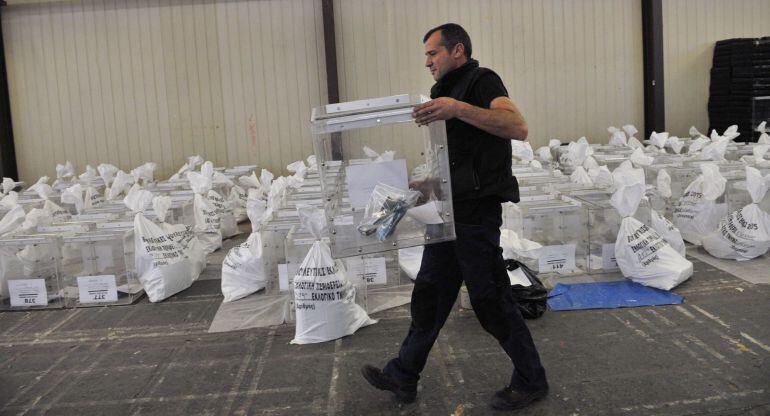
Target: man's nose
428	62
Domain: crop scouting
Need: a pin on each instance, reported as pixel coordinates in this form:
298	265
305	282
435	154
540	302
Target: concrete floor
710	355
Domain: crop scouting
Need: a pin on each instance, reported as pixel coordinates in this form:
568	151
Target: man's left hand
442	108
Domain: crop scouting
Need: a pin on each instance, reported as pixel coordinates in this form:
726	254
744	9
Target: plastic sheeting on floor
384	298
608	295
255	311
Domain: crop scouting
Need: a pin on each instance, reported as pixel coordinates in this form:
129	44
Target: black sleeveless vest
479	162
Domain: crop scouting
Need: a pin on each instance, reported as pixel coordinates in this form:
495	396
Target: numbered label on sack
608	257
372	270
28	292
97	289
557	259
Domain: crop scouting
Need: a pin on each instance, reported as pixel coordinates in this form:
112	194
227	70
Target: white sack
58	213
121	184
228	226
243	270
638	158
659	139
634	143
92	198
42	189
697	212
207	224
668	231
522	150
697	145
137	199
676	144
324	298
617	137
745	233
237	200
161	205
627	174
630	130
12	220
161	263
601	176
580	176
107	172
9	201
8	185
73	195
544	153
641	253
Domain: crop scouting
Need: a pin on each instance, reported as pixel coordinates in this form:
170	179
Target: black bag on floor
533	299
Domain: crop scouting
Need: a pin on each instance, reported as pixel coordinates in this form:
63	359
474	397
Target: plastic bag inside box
29	273
379	143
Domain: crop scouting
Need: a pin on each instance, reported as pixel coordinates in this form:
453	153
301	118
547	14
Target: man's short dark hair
451	35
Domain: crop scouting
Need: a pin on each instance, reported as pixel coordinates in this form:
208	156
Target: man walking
480	122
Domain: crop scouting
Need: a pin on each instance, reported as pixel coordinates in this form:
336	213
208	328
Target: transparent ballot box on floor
30	273
98	269
603	223
374	145
557	223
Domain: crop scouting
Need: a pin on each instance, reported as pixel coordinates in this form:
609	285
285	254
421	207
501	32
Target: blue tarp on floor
605	295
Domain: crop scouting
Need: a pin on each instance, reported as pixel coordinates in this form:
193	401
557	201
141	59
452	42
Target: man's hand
442	108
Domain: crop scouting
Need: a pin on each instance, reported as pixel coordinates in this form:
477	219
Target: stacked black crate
740	75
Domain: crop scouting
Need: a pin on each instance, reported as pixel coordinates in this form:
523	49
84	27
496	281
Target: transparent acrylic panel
559	224
603	223
347	173
103	271
30	273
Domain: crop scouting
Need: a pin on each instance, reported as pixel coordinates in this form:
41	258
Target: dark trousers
475	257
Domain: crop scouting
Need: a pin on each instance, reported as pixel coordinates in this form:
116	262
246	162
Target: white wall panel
127	82
573	67
690	31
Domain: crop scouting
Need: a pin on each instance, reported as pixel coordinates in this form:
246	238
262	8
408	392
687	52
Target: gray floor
707	356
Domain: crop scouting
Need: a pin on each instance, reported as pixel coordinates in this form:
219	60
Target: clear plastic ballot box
30	272
370	153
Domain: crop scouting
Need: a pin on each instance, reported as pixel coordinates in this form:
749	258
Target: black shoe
510	399
382	381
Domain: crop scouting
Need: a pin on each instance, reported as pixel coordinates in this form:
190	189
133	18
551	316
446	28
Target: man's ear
459	51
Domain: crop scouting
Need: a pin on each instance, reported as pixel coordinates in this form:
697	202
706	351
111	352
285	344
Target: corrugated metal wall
573	67
131	81
127	82
690	30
